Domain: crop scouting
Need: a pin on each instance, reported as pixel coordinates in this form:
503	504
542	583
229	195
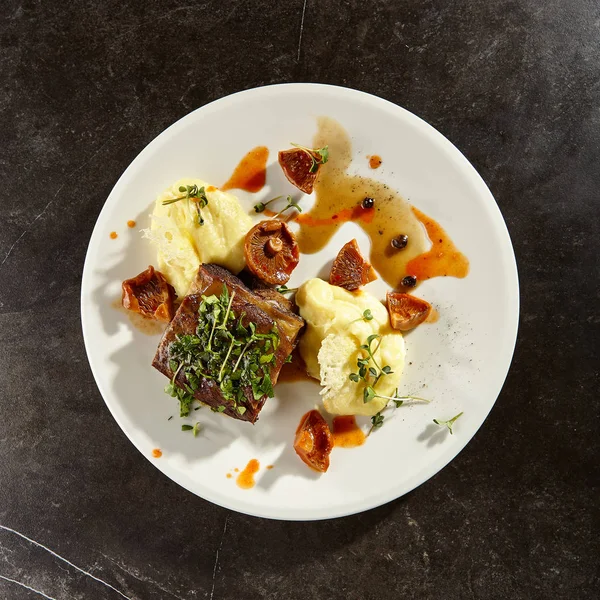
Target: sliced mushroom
350	270
406	311
271	251
149	294
313	441
298	167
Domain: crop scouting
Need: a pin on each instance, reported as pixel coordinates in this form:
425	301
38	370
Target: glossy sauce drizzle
245	479
346	433
339	195
443	259
251	173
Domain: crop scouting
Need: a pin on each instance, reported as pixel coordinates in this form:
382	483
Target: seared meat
150	295
264	313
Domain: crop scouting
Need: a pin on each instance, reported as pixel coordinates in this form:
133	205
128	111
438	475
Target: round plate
460	362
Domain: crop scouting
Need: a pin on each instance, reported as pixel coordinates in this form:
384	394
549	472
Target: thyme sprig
192	192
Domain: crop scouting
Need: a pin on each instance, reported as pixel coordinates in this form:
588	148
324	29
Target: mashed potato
182	245
331	343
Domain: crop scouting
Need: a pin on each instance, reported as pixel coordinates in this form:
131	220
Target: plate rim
511	268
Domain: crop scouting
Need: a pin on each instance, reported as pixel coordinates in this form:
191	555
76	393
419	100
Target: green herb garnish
398	401
319	156
225	349
284	289
186	428
366	316
290	203
449	423
260	207
195	193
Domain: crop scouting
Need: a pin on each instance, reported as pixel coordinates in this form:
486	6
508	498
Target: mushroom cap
406	311
350	270
149	294
313	441
271	251
296	164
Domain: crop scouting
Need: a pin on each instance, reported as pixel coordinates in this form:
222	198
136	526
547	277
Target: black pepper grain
368	203
409	281
400	242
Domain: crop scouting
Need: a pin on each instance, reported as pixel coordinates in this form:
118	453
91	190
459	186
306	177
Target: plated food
237	324
456	358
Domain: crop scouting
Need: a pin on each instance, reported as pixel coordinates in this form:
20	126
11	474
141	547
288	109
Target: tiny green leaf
186	428
449	423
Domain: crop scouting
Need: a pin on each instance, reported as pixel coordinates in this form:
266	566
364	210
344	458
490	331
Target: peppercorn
368	203
400	242
409	281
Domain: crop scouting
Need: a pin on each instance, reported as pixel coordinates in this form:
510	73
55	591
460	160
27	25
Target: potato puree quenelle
182	245
331	343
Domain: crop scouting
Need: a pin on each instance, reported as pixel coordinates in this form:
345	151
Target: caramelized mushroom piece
406	311
313	441
301	166
150	295
350	270
271	251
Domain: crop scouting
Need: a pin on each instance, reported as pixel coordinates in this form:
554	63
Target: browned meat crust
260	311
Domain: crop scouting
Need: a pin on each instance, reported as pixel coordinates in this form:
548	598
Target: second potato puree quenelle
182	245
331	344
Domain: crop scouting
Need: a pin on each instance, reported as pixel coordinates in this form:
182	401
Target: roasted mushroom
350	270
271	251
150	295
301	166
406	311
313	441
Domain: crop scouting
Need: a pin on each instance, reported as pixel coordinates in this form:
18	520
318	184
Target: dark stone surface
86	85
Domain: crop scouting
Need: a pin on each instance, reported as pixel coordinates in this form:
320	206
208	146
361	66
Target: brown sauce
346	433
113	235
374	161
245	479
142	324
157	453
433	316
338	199
131	224
443	259
251	173
294	371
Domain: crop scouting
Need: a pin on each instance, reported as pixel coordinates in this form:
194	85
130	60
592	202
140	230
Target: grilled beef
263	312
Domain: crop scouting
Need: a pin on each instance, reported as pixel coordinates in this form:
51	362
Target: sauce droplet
131	224
346	433
270	466
251	173
245	479
374	161
229	475
442	259
113	235
157	453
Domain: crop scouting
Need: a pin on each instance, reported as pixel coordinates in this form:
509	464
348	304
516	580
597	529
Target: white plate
460	362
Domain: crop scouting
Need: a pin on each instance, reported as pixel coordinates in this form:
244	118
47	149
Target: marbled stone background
515	84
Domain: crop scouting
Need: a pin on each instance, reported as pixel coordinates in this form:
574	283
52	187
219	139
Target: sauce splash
131	224
113	235
346	433
339	195
157	453
374	161
251	173
245	479
294	371
442	259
